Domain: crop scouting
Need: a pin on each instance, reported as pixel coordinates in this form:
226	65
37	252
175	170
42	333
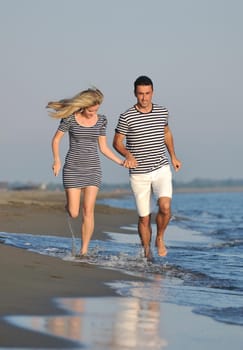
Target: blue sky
192	50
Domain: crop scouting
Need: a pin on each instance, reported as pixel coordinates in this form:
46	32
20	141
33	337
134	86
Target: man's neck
142	109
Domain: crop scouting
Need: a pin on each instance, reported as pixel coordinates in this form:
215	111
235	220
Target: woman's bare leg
73	196
87	228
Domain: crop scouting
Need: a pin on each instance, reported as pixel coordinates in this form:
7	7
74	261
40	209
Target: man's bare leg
145	233
162	220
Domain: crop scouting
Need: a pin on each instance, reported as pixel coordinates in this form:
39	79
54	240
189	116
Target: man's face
144	94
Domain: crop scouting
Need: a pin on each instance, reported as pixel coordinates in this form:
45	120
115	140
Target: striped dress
82	163
145	137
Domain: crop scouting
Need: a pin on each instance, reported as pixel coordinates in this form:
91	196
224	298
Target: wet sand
30	282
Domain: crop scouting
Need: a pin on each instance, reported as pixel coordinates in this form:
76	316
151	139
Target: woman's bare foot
81	257
83	253
159	243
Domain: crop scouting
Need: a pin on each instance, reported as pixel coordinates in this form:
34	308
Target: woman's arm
118	144
55	151
104	149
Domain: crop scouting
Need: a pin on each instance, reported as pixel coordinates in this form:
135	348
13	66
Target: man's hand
130	161
176	163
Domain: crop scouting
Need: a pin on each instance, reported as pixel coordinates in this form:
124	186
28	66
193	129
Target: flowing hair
66	107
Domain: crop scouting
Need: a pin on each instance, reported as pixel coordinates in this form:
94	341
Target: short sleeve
122	126
103	126
167	118
65	124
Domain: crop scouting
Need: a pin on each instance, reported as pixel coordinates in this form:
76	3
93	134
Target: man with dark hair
142	80
145	128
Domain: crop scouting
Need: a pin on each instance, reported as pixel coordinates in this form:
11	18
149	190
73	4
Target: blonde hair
66	107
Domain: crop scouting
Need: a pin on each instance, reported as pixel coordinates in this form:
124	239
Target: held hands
56	167
130	162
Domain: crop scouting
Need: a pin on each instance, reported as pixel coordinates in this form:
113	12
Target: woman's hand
56	167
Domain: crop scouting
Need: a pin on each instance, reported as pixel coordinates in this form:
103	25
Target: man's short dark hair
142	80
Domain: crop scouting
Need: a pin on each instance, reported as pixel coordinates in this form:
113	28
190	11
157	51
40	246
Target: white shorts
157	183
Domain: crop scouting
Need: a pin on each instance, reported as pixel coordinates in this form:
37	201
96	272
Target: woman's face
90	112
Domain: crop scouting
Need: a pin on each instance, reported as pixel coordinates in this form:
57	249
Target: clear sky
192	50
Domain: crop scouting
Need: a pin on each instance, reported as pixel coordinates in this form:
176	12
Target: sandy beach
30	281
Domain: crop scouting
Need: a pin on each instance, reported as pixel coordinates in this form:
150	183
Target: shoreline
215	189
30	282
26	212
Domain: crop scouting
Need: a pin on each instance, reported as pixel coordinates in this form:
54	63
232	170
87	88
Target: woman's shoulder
69	119
102	117
65	123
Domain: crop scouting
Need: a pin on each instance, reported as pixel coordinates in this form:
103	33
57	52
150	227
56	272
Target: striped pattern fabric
82	163
145	137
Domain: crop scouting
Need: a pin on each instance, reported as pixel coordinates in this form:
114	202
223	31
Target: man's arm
169	142
118	144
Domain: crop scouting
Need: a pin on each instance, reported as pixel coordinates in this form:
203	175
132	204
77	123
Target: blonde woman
82	170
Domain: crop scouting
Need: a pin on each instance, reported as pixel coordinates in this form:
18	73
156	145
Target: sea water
204	266
207	262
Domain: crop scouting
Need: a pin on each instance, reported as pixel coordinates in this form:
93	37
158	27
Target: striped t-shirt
145	137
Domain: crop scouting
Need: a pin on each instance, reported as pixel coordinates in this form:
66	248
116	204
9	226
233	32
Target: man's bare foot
159	243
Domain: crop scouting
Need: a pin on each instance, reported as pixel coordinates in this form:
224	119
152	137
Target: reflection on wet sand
103	323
